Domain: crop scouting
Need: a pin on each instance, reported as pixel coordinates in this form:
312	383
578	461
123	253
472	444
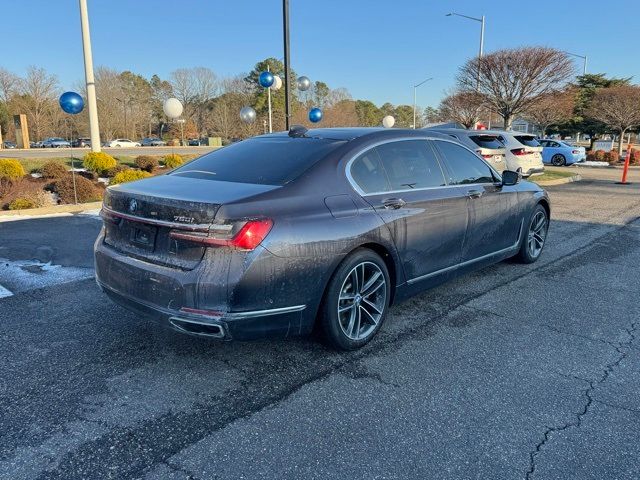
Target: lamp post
415	88
481	20
88	73
583	57
287	75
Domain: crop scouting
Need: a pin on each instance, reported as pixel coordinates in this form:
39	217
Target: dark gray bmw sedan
278	233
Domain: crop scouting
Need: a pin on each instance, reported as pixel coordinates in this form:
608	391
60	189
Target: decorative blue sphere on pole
315	115
266	79
71	102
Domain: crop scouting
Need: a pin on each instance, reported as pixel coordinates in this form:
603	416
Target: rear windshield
486	141
260	160
527	140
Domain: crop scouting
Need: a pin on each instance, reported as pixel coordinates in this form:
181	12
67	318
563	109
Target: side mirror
509	178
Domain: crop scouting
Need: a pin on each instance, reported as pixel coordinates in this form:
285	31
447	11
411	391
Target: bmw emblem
133	205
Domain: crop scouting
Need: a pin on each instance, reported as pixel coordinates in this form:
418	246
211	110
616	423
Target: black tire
558	160
527	254
335	325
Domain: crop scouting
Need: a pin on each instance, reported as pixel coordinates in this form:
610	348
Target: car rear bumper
198	301
249	325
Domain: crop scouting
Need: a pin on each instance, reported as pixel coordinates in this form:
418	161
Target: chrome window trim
363	150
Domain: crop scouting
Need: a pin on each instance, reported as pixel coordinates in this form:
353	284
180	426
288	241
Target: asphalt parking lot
513	372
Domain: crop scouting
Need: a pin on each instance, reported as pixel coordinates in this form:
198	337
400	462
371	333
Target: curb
29	212
560	181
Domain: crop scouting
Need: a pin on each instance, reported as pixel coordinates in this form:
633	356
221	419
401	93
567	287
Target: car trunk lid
139	216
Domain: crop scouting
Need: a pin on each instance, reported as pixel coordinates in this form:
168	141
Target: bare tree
194	87
512	79
38	99
462	107
9	85
618	107
551	109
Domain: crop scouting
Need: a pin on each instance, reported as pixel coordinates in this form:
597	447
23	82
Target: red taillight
248	237
519	151
487	157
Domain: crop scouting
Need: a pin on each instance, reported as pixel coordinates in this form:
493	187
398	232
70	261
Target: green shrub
22	204
11	169
173	160
146	163
87	191
612	156
129	175
99	162
53	170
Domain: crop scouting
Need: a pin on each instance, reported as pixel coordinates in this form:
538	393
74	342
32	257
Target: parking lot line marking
4	292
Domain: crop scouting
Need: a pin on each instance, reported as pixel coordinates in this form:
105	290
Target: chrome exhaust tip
194	327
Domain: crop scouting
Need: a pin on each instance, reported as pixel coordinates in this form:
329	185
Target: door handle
475	193
393	203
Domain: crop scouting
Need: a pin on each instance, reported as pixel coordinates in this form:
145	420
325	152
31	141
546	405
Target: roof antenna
297	131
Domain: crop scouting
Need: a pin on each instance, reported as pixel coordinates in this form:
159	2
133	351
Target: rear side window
463	166
410	164
260	160
486	141
527	140
368	173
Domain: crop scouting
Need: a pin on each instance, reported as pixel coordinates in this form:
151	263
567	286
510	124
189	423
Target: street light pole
90	81
482	23
287	75
415	88
583	57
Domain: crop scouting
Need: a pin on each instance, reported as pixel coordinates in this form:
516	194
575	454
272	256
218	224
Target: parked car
523	152
268	236
55	142
152	142
193	142
123	142
8	144
484	144
33	144
559	153
81	142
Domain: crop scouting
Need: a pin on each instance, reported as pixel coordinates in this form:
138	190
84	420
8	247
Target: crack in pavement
609	368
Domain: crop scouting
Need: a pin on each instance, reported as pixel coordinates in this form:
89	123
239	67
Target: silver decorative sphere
248	115
303	83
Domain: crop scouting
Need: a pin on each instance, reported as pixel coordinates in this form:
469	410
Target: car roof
351	133
461	131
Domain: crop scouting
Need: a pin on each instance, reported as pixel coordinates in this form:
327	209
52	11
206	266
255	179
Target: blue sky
375	49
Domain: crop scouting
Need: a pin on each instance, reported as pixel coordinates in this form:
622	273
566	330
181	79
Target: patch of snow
593	164
104	180
24	275
77	169
36	175
4	292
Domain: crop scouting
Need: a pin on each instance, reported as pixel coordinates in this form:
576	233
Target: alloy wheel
362	300
537	233
557	160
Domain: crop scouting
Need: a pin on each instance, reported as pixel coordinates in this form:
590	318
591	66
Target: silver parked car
487	145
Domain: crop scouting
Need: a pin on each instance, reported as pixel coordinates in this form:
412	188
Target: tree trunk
508	119
621	141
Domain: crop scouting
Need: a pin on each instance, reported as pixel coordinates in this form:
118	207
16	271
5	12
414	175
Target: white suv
523	152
